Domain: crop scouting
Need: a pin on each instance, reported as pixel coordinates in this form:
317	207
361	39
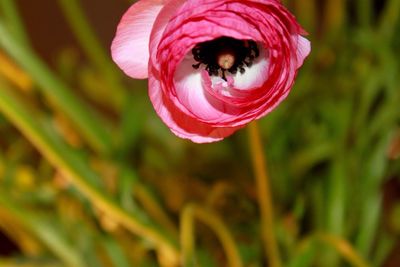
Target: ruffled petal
181	124
196	100
170	9
130	47
206	109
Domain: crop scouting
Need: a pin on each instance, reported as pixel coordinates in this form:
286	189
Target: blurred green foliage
89	176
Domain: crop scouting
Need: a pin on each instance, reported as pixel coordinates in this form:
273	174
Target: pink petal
204	109
303	49
130	47
170	9
181	124
255	75
196	100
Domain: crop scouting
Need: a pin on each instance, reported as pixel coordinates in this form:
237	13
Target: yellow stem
15	231
334	16
187	237
14	74
264	196
344	248
20	117
211	219
154	209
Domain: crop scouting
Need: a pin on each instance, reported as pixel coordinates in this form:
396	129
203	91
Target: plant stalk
264	196
211	219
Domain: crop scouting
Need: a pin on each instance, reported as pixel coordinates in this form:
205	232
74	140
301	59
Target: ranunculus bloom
213	65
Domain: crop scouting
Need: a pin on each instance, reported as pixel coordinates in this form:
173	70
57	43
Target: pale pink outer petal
303	50
130	47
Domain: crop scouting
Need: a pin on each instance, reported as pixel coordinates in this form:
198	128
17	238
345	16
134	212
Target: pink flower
213	65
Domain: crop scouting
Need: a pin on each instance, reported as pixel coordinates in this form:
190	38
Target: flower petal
303	49
196	100
170	9
130	47
255	75
206	109
181	124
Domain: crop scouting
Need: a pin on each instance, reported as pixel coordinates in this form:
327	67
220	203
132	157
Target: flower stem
43	230
344	248
71	166
13	20
154	209
208	217
14	74
93	48
264	196
91	126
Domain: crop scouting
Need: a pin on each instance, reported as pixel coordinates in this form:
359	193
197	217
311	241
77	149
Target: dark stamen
225	54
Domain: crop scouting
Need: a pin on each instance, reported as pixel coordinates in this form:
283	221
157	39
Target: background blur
90	176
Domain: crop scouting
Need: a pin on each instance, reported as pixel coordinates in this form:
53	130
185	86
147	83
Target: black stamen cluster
244	51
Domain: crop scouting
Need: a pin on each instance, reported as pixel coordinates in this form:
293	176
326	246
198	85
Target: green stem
364	12
334	18
72	167
343	248
13	20
91	126
306	12
308	246
93	48
17	263
216	224
389	18
44	232
154	209
187	236
264	196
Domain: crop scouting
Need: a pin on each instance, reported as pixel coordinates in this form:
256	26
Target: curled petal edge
130	47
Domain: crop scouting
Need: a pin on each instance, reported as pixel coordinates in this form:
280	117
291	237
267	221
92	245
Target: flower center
225	54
